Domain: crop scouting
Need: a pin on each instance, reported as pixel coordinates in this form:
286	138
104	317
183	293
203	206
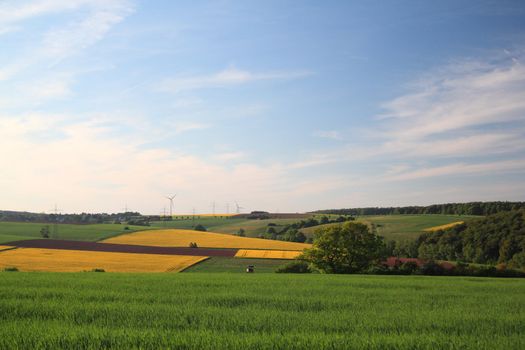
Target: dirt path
120	248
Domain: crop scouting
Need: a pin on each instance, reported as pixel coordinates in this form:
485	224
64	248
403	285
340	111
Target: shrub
518	261
241	233
270	230
193	245
431	268
11	269
44	232
98	270
294	267
378	270
408	268
199	227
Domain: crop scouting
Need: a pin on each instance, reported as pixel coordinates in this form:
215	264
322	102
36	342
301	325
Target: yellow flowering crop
267	254
443	227
3	247
36	259
182	238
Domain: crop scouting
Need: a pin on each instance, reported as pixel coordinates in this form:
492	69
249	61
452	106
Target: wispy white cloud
58	43
486	168
461	96
328	134
229	156
104	172
13	11
228	77
181	127
61	43
57	86
468	116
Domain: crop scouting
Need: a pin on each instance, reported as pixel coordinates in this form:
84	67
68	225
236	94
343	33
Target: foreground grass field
259	311
14	231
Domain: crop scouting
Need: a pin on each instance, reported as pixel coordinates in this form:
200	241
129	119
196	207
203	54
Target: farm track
120	248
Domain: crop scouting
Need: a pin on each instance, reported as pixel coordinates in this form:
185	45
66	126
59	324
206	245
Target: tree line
471	208
352	248
132	218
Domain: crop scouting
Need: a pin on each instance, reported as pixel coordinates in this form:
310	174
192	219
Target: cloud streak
228	77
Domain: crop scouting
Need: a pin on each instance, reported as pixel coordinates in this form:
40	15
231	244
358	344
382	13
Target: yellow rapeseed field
443	227
182	238
267	254
36	259
3	247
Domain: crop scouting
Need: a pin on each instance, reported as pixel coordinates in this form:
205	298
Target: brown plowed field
120	248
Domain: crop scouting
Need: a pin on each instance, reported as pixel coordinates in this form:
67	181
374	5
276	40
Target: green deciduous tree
345	248
44	232
199	227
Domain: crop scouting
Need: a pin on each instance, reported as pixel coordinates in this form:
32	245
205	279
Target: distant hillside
498	238
471	208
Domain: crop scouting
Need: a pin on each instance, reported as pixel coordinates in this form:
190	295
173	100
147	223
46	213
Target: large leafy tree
345	248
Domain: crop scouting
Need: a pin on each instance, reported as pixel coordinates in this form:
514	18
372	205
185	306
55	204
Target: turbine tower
238	208
171	198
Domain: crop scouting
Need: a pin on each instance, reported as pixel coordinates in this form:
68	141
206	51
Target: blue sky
278	105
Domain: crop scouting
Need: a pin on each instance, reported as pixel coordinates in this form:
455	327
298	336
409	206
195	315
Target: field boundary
121	248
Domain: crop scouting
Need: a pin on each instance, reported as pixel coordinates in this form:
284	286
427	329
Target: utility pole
55	223
164	217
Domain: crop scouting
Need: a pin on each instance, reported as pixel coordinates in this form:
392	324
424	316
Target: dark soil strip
119	248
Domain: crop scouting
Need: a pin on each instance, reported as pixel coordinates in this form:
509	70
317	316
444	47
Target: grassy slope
263	311
253	228
209	222
13	231
236	265
397	227
402	227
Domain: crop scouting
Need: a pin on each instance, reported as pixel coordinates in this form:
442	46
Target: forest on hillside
470	208
495	239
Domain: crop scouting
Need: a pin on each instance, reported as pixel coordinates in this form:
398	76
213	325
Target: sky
285	106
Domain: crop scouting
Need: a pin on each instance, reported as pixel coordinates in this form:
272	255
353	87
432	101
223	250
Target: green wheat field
259	311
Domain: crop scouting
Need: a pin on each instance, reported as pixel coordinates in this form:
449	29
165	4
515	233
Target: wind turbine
171	198
238	208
